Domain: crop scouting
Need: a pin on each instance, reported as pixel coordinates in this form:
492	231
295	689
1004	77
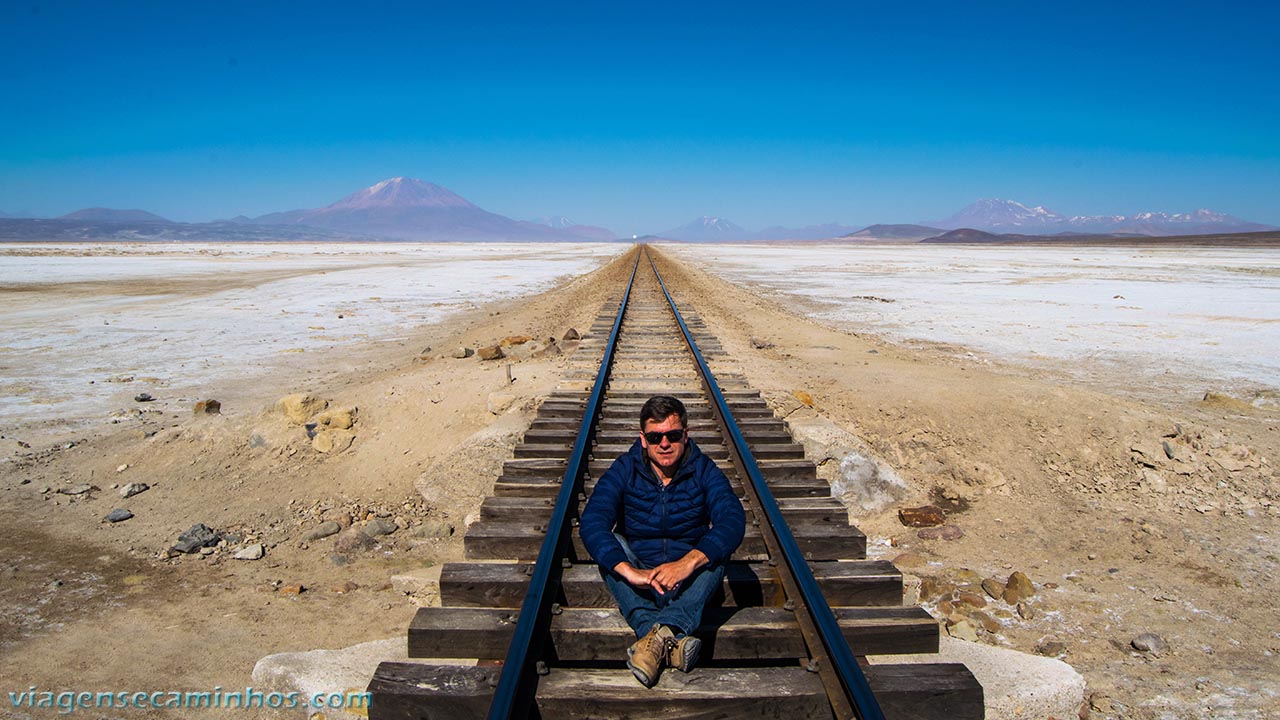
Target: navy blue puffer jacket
697	509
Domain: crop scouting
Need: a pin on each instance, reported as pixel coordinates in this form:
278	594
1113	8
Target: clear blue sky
641	116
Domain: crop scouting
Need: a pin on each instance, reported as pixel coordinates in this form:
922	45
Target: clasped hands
666	576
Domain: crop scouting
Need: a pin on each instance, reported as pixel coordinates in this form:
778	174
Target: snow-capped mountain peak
401	192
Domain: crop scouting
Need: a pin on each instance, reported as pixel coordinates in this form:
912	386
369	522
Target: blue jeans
679	608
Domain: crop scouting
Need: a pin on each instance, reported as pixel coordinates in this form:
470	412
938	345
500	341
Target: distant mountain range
1009	216
109	215
590	232
716	229
403	208
894	232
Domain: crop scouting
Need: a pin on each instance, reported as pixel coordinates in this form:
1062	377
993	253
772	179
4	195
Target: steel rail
519	674
818	624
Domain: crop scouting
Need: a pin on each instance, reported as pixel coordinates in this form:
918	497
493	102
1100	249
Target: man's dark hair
661	407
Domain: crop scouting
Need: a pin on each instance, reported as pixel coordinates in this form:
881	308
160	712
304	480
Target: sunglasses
655	438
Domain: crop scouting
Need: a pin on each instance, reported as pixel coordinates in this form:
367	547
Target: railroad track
801	604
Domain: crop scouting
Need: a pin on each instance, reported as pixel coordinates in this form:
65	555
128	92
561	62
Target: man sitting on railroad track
661	523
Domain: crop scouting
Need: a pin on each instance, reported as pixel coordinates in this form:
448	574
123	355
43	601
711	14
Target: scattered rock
1050	647
300	407
571	334
433	528
76	489
463	352
143	397
133	488
297	589
121	468
987	622
934	587
353	540
511	340
760	343
324	530
971	599
963	630
946	532
1168	449
1226	402
923	516
1026	612
332	441
1149	643
909	560
803	397
1018	588
197	537
342	517
339	418
251	552
498	402
551	349
994	588
207	407
380	526
118	515
490	352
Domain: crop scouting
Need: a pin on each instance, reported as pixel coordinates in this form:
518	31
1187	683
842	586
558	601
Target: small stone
923	516
909	560
207	551
1026	612
118	515
946	532
463	352
490	352
803	397
122	468
380	526
571	334
143	397
76	489
499	402
433	528
994	588
198	536
511	340
963	630
760	343
207	407
346	587
353	540
987	622
1149	643
323	530
1018	588
1168	449
934	587
251	552
971	599
297	589
550	350
1050	647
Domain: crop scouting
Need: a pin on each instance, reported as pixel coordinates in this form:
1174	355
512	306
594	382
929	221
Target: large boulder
299	408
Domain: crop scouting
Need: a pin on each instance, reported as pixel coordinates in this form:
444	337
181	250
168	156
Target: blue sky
642	116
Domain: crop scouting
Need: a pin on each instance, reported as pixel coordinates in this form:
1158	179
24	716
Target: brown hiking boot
684	653
647	655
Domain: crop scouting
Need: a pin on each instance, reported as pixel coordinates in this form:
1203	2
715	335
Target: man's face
666	452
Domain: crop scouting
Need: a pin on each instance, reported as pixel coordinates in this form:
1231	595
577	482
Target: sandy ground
1071	486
